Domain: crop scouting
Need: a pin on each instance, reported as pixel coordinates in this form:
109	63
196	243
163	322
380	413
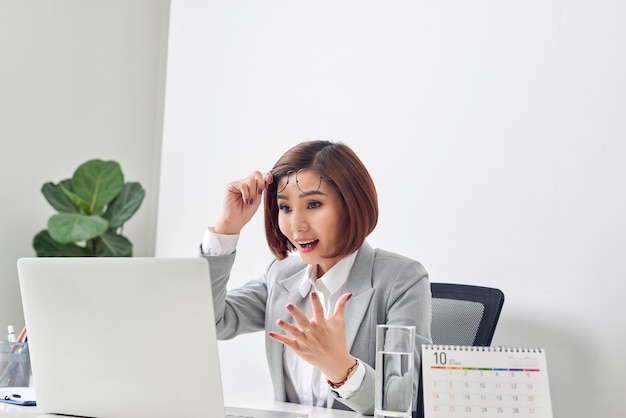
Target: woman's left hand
320	341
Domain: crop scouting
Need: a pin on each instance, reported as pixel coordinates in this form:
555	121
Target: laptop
124	337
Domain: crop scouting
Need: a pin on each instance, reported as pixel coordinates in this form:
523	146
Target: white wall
78	80
494	130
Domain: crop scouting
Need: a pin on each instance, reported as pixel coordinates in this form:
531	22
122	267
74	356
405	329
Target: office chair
462	315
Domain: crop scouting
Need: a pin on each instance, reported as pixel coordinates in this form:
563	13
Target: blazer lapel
360	285
288	291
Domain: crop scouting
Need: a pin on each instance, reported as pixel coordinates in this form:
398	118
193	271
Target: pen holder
14	364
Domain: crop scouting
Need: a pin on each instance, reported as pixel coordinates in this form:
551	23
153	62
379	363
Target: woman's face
312	216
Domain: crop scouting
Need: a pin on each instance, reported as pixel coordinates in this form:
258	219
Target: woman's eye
313	205
284	208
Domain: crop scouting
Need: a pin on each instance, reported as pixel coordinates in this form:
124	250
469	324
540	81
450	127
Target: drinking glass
395	349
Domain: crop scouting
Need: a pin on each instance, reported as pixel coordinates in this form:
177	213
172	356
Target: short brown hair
339	163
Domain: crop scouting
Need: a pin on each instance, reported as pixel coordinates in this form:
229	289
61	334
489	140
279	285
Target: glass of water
395	350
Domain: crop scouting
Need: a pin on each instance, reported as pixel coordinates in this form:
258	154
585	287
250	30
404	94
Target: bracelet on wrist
351	370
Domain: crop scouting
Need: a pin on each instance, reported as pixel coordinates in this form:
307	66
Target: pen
8	396
20	396
11	336
22	337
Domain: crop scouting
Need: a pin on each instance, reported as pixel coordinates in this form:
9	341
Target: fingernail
260	191
290	307
349	297
313	295
271	334
280	322
250	201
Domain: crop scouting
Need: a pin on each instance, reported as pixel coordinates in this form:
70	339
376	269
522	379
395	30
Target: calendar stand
486	382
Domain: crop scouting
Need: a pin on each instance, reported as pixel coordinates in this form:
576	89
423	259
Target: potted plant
92	208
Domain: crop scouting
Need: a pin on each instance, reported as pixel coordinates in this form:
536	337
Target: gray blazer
385	287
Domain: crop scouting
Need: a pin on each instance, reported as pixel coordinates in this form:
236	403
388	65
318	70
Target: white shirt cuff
353	383
218	244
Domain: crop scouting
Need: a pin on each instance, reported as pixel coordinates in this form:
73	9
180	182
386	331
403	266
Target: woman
319	309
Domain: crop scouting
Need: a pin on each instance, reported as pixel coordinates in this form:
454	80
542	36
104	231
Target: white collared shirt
308	381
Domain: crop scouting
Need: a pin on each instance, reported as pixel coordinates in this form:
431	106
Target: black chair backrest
462	315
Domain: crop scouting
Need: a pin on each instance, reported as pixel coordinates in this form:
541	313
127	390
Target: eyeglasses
308	184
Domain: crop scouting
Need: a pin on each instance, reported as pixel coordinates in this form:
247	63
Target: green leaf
113	245
98	182
57	198
45	246
73	227
124	206
82	204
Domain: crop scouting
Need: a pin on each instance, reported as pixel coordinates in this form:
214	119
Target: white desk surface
15	411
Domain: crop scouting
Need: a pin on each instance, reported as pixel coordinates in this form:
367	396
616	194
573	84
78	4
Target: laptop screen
121	337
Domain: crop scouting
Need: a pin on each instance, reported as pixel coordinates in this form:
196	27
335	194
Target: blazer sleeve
240	310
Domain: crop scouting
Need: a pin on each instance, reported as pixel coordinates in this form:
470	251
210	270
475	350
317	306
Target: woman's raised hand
320	341
241	201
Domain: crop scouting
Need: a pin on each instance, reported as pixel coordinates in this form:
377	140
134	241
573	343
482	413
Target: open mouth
308	244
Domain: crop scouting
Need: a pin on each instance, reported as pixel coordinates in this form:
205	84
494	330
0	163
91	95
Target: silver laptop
123	337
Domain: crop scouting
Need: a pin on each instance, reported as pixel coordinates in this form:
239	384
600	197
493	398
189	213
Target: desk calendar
499	382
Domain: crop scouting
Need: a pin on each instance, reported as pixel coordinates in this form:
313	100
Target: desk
15	411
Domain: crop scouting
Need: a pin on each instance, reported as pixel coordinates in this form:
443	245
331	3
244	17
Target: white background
494	131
